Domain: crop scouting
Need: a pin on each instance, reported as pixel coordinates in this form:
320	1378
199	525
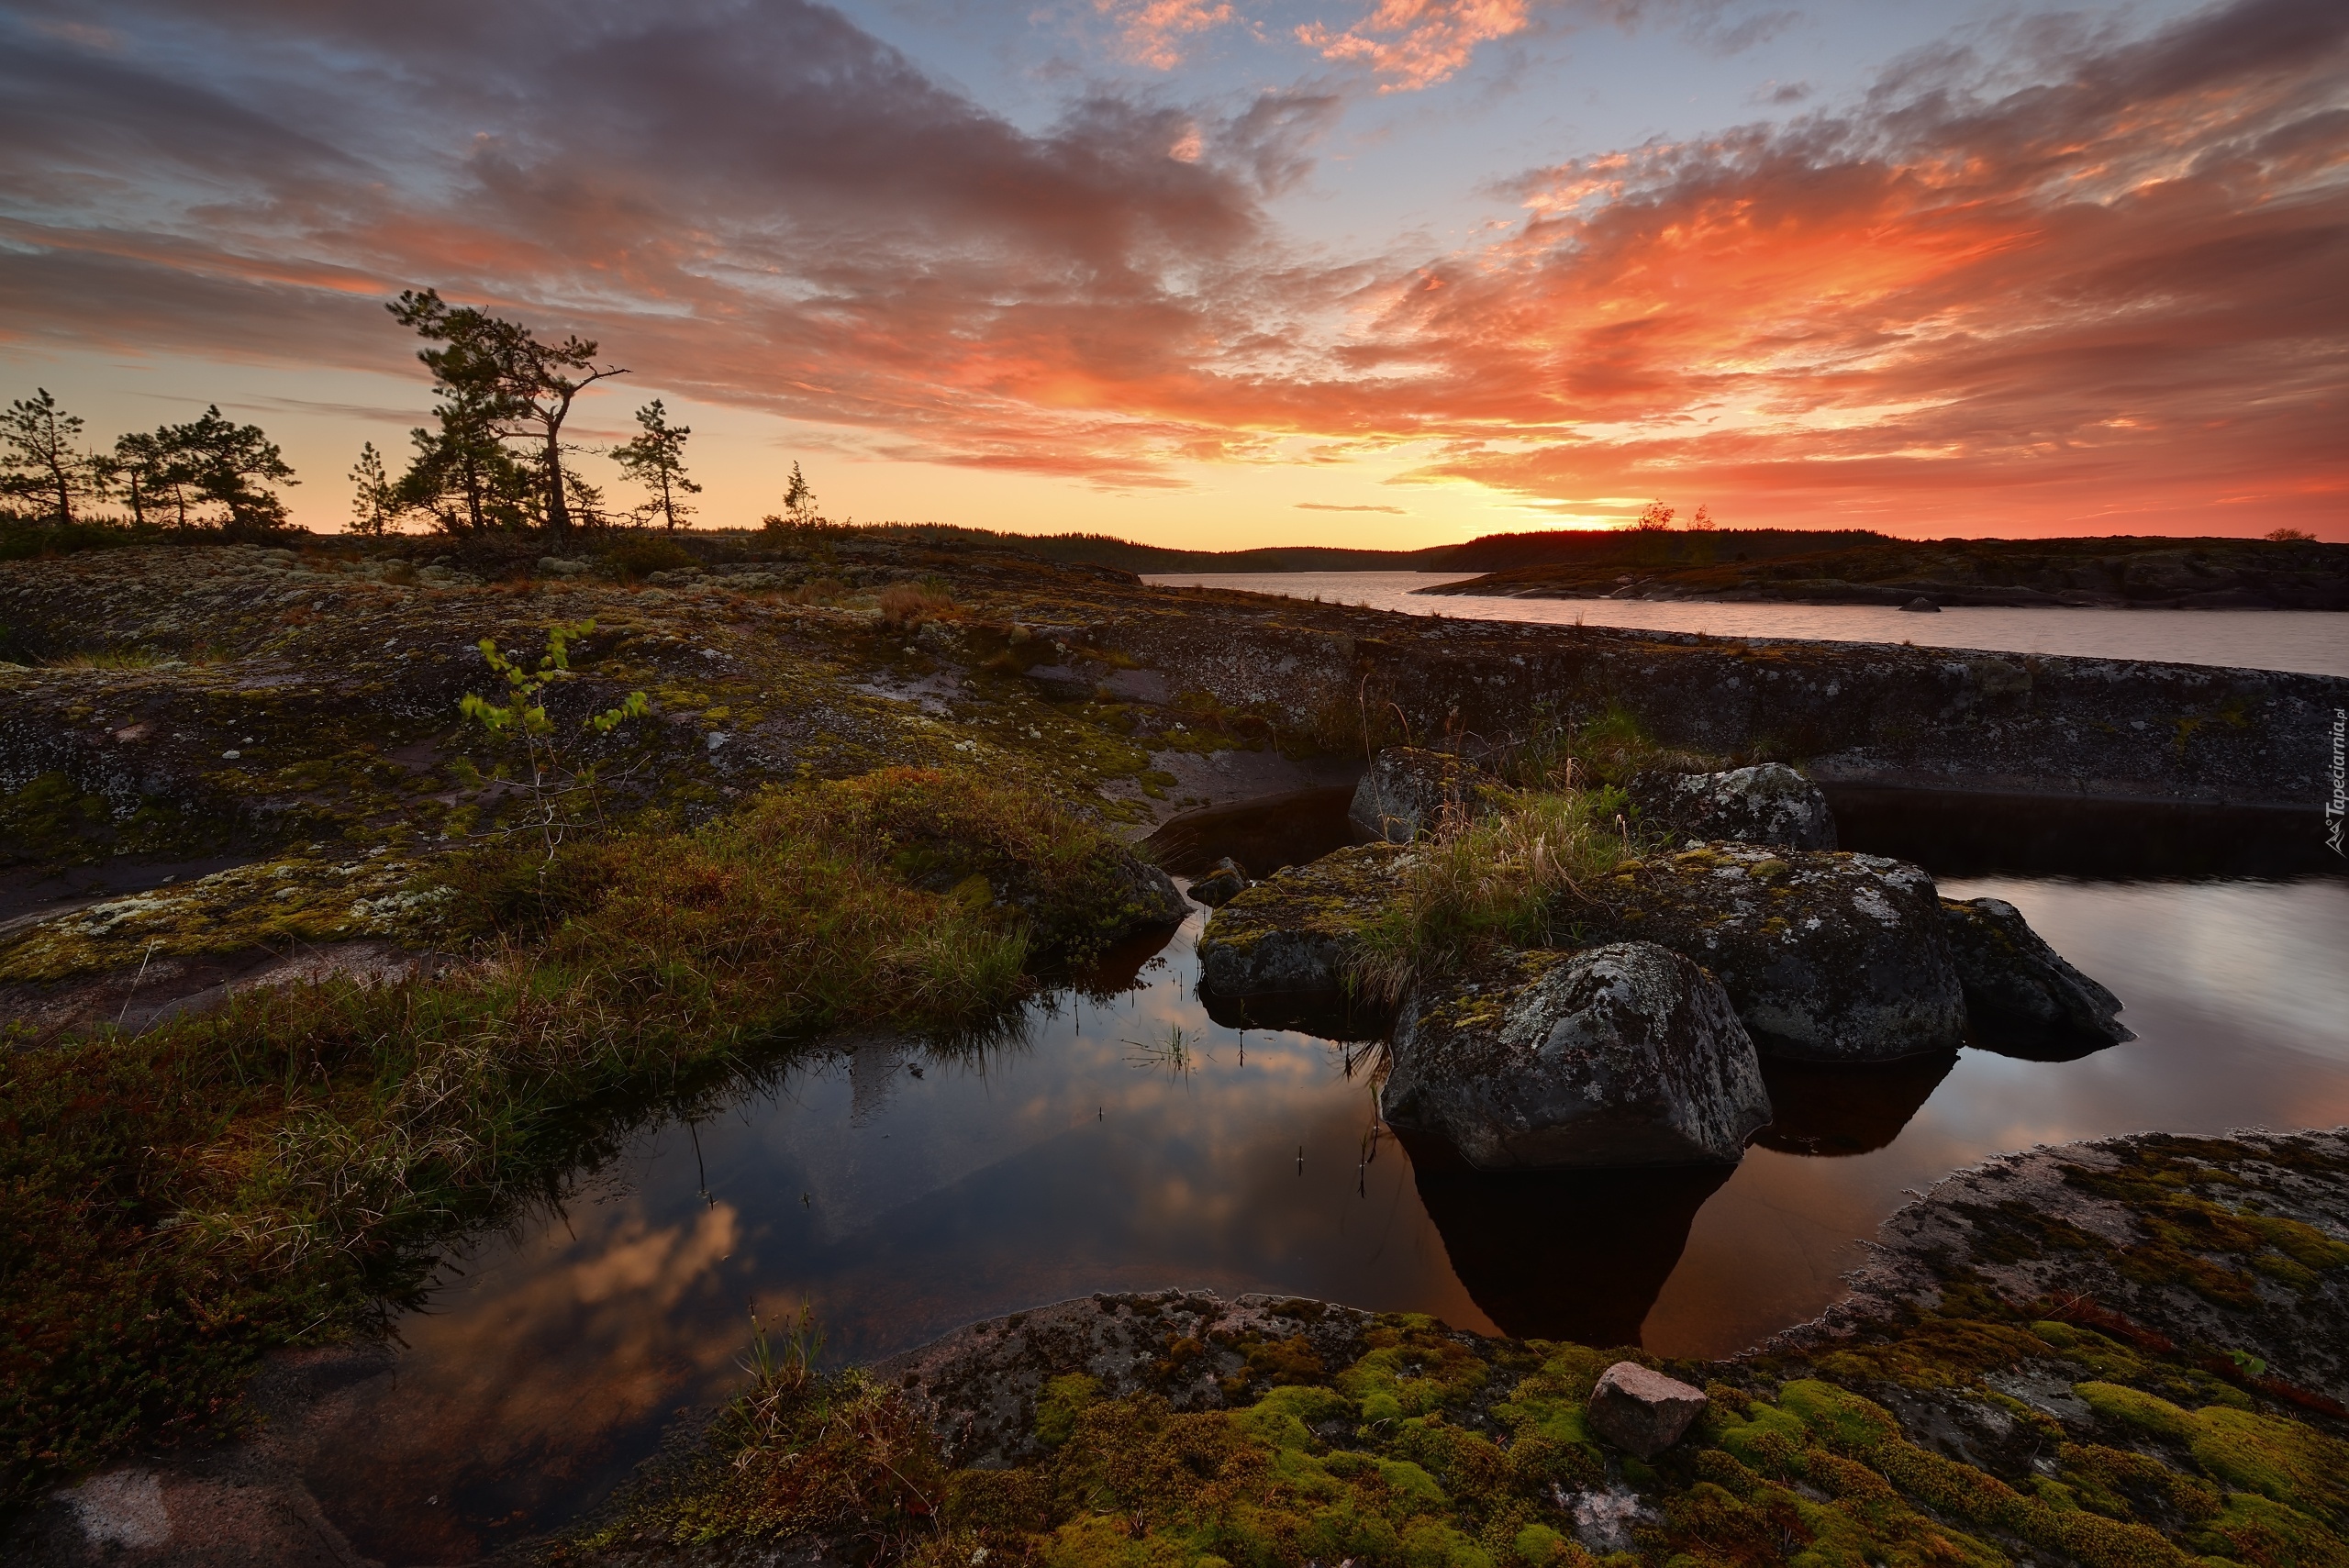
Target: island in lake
1773	566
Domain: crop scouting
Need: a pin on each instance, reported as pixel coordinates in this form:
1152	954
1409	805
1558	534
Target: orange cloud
1153	30
1417	43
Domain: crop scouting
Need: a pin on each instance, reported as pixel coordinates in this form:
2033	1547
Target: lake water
2313	643
902	1191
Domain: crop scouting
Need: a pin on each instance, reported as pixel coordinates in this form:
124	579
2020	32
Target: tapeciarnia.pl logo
2336	807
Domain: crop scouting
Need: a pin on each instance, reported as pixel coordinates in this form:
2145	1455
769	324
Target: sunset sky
1226	272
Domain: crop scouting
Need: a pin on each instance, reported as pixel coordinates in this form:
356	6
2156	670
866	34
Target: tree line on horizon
494	460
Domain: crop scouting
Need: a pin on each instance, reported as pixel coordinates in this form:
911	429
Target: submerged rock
1221	885
1626	1054
1771	804
1410	790
1826	957
2019	990
1294	935
1640	1409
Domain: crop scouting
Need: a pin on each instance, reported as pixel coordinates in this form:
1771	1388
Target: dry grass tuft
910	603
1522	873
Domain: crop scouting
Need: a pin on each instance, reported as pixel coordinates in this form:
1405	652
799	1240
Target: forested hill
1492	553
1793	565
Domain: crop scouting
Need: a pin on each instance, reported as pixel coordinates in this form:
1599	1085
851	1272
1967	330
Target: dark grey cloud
758	198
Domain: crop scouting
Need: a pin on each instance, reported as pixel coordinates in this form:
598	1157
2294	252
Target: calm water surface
2311	641
903	1191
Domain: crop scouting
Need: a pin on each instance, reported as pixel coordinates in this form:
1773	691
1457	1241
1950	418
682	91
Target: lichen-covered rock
2020	989
1626	1054
1640	1409
1771	804
1293	934
1827	957
1410	790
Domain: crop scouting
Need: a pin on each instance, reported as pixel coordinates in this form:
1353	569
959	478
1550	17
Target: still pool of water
2313	643
1129	1142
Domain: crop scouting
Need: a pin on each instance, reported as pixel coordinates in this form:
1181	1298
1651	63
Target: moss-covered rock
1626	1054
1290	940
1827	957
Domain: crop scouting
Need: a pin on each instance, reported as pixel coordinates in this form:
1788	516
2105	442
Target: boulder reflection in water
1833	1108
1574	1255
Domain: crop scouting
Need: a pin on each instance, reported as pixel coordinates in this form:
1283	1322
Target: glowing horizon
1379	273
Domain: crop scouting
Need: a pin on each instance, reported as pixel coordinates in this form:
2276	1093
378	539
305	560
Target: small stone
1221	885
1922	605
1640	1409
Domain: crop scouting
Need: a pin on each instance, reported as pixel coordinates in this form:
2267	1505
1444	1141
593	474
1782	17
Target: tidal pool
1132	1143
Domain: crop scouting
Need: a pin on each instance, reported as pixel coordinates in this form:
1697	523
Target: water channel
1123	1141
2312	643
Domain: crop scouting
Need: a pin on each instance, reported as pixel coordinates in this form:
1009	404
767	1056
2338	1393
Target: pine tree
656	460
497	383
374	503
40	450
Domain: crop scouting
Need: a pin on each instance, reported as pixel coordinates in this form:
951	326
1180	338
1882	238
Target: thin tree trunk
557	514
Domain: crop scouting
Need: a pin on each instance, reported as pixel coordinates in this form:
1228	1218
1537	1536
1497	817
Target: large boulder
1285	946
1625	1054
1408	791
1826	957
1771	804
2020	992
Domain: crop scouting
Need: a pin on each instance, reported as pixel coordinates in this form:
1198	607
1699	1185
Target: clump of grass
1174	1051
1516	867
173	1204
819	591
1521	872
114	659
1606	750
798	1454
910	603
